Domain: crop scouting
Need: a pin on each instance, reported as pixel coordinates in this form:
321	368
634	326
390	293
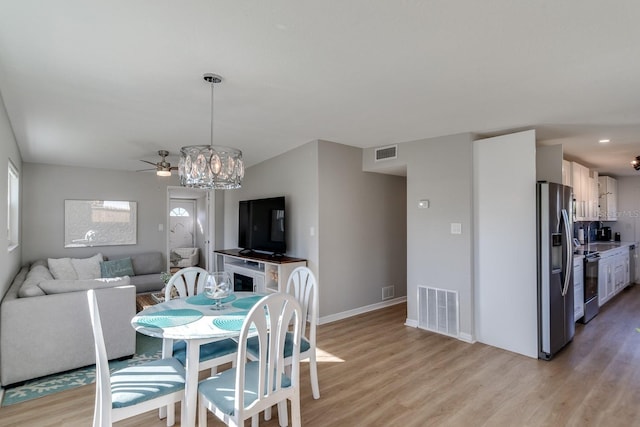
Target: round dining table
193	320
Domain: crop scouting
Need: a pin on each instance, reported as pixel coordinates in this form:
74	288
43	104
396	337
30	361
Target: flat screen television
261	225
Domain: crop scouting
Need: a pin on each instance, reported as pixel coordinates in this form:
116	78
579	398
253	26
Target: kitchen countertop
599	246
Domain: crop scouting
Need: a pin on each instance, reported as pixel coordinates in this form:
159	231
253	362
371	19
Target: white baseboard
411	322
360	310
1	394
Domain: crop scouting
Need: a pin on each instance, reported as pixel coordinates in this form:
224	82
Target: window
13	207
178	212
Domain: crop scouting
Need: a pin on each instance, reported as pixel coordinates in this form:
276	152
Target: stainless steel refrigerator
556	325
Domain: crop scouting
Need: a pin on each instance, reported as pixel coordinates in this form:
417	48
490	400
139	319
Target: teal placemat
168	318
230	322
201	299
247	303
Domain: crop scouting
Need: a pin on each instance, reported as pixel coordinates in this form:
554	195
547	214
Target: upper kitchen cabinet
566	173
608	198
585	192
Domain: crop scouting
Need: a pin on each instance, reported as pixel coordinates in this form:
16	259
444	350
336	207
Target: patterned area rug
147	348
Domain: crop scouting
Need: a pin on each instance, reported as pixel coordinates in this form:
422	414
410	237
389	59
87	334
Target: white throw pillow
87	268
62	269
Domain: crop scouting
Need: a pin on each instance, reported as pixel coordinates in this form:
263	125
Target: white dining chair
188	282
252	386
135	389
303	285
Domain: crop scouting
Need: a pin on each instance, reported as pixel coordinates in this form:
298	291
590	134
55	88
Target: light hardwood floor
374	371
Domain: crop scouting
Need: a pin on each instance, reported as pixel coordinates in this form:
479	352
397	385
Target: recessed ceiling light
604	141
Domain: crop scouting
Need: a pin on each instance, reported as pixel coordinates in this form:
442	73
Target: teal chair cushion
140	383
220	389
208	351
252	346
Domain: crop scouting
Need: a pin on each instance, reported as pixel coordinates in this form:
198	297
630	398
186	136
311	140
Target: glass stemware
217	287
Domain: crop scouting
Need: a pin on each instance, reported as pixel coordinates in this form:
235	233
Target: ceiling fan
162	168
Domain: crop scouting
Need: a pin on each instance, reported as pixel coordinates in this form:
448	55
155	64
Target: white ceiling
107	83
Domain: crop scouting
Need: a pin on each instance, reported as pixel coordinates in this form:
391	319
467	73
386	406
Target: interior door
182	224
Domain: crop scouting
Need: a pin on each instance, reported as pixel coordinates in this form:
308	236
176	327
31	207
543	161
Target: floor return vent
438	310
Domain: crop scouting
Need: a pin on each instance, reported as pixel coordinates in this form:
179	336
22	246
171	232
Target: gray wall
362	231
294	175
46	187
439	170
9	261
358	221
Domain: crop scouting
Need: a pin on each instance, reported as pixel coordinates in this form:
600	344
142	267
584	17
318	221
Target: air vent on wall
386	153
438	310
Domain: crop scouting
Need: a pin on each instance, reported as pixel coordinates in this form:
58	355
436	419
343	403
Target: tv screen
261	225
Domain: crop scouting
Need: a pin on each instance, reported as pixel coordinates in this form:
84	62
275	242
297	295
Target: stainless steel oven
591	306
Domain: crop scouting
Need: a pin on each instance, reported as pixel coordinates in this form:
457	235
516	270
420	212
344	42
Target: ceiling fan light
163	173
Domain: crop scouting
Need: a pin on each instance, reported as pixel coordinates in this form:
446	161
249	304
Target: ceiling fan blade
151	163
174	168
144	170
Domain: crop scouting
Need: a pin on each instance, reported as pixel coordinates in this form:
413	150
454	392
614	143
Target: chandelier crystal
211	166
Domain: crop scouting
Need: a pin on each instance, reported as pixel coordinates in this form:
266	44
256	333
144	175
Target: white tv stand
268	273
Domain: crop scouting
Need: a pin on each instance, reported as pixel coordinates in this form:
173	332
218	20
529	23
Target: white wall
362	231
505	242
9	261
46	187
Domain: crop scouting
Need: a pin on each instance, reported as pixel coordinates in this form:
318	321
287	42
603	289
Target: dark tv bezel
246	240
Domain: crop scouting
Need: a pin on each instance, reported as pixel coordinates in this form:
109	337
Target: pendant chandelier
211	166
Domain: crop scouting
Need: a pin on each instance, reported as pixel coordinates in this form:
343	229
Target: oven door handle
567	272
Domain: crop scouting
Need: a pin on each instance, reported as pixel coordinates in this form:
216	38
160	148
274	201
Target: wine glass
217	287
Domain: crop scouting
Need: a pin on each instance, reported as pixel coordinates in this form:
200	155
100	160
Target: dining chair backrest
102	409
187	282
303	286
269	320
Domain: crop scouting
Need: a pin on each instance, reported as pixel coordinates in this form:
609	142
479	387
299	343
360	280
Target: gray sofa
48	330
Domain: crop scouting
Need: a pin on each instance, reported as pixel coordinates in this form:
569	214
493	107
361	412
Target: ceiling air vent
386	153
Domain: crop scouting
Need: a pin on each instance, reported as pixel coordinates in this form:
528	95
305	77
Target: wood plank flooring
374	371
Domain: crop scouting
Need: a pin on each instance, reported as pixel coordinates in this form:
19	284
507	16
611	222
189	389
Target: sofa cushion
147	283
88	268
147	263
64	286
36	274
116	268
62	269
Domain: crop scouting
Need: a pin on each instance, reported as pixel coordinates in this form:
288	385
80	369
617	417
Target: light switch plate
423	204
456	228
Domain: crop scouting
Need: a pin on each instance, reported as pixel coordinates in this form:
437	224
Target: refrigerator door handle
567	269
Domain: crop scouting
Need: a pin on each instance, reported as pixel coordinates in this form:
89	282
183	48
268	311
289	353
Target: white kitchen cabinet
585	192
613	273
578	288
608	198
566	173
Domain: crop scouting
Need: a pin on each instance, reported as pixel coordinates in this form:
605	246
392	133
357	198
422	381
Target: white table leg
191	383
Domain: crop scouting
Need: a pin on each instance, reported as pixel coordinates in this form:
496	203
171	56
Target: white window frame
13	207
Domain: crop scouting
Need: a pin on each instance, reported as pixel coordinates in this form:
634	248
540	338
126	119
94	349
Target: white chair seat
214	350
253	346
137	384
221	387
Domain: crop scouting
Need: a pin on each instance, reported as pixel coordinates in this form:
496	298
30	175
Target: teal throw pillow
116	268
